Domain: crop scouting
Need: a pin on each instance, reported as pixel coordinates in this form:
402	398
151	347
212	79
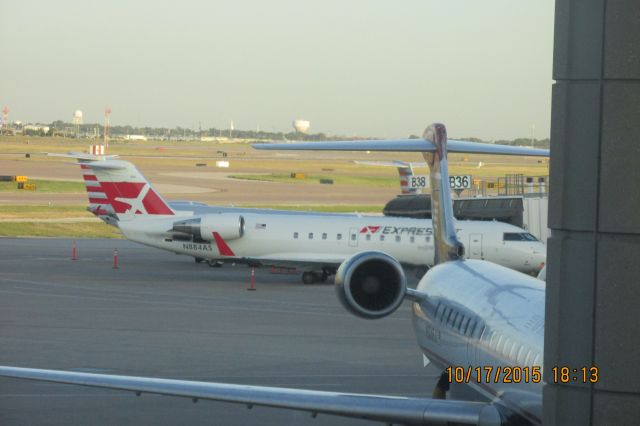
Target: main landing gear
311	277
442	387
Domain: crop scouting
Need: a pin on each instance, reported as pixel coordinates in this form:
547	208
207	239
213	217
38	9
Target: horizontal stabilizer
407	145
107	166
83	156
395	163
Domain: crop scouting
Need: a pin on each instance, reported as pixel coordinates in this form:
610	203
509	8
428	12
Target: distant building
135	137
35	128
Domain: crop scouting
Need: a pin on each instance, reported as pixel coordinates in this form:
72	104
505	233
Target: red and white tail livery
117	188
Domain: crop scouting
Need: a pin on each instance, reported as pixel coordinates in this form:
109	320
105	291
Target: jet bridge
526	212
507	209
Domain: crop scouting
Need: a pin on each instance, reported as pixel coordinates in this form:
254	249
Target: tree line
184	133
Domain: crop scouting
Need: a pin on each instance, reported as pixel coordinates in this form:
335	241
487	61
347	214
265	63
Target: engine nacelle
371	284
229	226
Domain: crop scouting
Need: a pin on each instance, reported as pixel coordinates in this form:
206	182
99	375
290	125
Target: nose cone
538	256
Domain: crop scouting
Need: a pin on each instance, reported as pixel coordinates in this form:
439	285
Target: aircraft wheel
323	277
308	277
198	259
215	264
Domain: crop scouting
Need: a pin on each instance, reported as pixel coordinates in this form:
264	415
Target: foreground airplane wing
406	145
417	411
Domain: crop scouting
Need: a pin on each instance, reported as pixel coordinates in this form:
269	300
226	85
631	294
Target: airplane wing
395	163
406	145
390	409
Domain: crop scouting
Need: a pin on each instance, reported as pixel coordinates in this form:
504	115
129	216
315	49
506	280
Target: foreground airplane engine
371	284
228	227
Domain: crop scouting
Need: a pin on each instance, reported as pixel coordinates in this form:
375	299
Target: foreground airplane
481	323
317	242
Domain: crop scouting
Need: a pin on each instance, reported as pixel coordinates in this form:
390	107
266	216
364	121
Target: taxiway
162	315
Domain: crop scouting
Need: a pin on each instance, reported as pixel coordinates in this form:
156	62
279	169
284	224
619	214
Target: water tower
77	121
301	126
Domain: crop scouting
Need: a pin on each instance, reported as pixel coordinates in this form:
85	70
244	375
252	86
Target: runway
162	315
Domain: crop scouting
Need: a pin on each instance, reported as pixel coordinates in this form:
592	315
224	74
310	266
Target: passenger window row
456	320
368	237
516	352
324	236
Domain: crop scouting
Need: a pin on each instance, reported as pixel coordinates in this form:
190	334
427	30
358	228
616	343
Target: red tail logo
367	229
124	197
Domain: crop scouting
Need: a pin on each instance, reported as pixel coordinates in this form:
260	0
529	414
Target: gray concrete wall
593	272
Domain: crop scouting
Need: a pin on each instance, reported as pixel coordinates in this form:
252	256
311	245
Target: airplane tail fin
434	147
123	188
405	172
447	245
117	190
98	203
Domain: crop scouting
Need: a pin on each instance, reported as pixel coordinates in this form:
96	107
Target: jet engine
229	227
371	284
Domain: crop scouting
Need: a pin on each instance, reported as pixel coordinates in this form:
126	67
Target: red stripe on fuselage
223	248
90	177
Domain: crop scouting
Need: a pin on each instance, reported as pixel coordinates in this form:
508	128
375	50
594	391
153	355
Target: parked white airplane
405	173
481	323
316	242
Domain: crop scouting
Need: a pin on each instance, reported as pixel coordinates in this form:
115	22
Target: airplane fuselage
327	240
486	324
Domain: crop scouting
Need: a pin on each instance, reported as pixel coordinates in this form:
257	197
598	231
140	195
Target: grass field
164	162
77	222
377	181
57	229
336	208
8	212
49	186
52	221
275	165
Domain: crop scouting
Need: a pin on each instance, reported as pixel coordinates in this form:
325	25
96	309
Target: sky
357	67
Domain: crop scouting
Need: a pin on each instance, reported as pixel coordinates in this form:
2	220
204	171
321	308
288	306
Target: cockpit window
518	236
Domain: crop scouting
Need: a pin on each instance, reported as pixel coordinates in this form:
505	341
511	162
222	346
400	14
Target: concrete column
593	273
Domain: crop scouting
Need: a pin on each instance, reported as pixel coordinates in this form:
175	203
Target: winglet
447	245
